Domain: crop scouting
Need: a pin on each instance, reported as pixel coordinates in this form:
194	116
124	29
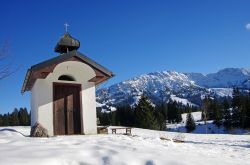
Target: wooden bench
128	130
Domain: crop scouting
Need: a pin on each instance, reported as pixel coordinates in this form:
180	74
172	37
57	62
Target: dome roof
67	43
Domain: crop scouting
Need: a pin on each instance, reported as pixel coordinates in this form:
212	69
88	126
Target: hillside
187	88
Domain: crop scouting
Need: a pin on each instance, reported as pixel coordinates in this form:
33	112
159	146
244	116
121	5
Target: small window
66	78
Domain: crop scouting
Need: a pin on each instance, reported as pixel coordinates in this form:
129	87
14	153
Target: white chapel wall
42	95
43	104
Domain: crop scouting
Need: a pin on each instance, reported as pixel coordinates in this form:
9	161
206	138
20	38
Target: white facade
42	96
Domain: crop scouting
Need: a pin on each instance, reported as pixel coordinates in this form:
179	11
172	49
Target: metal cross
66	27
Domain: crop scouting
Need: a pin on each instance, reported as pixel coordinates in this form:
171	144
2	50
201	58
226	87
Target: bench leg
128	131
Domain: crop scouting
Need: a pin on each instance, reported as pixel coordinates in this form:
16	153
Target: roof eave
27	76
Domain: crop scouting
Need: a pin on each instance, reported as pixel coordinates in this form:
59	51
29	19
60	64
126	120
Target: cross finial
66	27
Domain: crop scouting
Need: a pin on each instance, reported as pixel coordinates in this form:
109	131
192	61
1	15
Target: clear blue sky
130	37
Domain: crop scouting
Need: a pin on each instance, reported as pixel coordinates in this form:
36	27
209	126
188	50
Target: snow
223	92
99	104
196	116
182	101
160	85
224	78
144	147
201	128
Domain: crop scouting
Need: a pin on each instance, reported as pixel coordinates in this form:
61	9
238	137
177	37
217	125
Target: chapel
63	90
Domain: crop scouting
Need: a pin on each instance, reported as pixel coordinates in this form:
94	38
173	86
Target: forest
230	112
19	117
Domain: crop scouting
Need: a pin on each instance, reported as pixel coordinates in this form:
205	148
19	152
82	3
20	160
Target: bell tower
67	43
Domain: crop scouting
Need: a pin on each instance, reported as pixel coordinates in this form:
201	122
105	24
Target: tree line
145	114
230	112
19	117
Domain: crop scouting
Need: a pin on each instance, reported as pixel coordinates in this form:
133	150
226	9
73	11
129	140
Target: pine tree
125	116
243	111
1	120
160	118
23	117
227	114
247	123
173	112
190	123
144	114
14	121
205	109
6	119
104	118
236	103
217	113
114	118
178	115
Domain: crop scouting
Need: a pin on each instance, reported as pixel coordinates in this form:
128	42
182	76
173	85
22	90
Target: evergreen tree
160	118
190	123
6	119
227	114
217	113
125	116
23	117
236	103
247	123
173	112
1	120
14	121
243	111
205	109
178	115
113	118
104	118
144	114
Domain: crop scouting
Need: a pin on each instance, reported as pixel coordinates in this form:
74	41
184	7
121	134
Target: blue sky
130	37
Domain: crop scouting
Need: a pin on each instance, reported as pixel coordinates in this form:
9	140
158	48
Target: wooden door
67	112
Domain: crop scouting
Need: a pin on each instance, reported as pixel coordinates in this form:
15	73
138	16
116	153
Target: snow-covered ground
196	116
144	147
201	128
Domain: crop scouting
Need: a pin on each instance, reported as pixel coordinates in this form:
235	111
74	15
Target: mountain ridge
183	87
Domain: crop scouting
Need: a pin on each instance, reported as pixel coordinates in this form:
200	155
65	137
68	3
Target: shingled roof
42	69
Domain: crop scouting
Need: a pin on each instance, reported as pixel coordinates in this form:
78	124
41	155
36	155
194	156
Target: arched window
66	78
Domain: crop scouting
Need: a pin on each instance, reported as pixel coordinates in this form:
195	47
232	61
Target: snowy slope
201	128
196	116
143	148
224	78
182	101
188	88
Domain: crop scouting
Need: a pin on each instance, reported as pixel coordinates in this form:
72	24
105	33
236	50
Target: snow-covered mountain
187	88
225	78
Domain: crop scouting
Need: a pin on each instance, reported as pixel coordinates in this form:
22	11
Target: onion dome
66	44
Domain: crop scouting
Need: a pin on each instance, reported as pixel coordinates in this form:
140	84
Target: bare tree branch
4	51
5	69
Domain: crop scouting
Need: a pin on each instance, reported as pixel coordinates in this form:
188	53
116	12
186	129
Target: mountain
186	88
225	78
